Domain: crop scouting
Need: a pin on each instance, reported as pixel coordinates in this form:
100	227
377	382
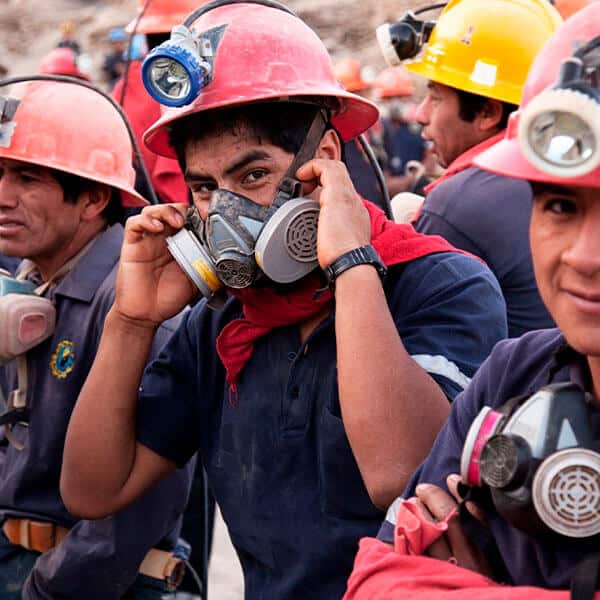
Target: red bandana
265	308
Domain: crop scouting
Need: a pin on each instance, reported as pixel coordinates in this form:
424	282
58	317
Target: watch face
365	255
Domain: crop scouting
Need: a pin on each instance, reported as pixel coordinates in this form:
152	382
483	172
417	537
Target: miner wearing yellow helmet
476	57
63	190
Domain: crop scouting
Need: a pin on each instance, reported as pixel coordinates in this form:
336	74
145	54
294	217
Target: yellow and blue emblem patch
63	359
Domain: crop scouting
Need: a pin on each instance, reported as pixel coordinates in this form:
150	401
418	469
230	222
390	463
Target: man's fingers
452	482
440	548
439	503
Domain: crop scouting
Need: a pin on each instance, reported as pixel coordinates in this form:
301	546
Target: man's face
236	161
565	246
35	220
442	125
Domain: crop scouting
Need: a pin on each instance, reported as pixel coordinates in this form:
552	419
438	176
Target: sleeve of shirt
450	313
444	457
169	414
100	559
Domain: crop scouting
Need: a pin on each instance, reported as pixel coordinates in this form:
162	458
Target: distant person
67	40
115	60
350	73
402	139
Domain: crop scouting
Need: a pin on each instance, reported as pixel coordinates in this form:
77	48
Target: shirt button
294	392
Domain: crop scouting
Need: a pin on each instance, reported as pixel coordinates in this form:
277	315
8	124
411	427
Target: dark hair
283	124
73	186
470	105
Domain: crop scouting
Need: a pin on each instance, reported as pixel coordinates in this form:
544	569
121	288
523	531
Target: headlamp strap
290	187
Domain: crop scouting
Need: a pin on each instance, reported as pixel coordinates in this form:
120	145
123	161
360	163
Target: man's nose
583	255
8	197
422	114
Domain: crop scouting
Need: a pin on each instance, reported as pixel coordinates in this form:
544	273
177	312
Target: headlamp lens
169	78
562	139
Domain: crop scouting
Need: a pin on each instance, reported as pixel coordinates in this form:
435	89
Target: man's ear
330	146
490	116
95	200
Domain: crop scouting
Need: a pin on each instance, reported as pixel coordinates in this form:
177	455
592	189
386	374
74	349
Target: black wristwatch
365	255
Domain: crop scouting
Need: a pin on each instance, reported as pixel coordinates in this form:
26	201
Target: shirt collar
92	269
465	160
568	360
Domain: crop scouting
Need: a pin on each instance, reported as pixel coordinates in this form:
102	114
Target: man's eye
255	175
560	206
203	188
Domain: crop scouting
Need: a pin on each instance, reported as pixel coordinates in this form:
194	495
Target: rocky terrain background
30	28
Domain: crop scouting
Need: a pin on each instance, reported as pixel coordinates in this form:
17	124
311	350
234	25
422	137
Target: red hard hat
348	72
506	157
566	8
393	81
74	129
266	54
162	15
62	61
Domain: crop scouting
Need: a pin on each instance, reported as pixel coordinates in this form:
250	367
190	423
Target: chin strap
290	187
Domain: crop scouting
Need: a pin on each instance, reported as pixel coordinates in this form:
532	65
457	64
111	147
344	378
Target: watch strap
363	255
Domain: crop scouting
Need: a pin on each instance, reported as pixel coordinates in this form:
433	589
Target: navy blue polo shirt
98	559
403	143
276	454
8	263
488	215
515	367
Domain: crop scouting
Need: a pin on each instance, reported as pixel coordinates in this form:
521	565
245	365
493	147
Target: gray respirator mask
538	459
241	241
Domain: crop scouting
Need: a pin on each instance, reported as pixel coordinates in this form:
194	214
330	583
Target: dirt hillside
30	28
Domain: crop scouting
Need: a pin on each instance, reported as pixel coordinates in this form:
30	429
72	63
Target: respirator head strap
290	187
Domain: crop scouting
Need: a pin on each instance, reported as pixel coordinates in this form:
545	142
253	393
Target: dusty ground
225	580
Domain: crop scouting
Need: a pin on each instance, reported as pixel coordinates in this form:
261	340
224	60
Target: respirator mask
241	241
559	130
26	319
539	461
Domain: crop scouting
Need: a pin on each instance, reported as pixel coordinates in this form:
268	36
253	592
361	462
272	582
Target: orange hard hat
566	8
62	61
47	129
266	54
393	81
507	156
161	16
348	72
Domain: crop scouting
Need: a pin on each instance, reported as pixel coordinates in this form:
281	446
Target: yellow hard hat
486	46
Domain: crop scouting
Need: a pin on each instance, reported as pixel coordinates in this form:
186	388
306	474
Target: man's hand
436	505
343	221
151	287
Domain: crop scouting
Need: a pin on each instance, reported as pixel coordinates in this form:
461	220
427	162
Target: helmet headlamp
176	71
559	130
404	39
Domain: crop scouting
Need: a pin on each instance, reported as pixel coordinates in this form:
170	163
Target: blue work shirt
276	453
403	143
488	215
8	263
515	367
98	559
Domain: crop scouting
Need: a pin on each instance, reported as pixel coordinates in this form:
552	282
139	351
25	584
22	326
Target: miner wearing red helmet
63	188
330	339
525	434
155	21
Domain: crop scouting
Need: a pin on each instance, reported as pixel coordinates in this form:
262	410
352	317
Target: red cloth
464	161
265	308
142	111
400	573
